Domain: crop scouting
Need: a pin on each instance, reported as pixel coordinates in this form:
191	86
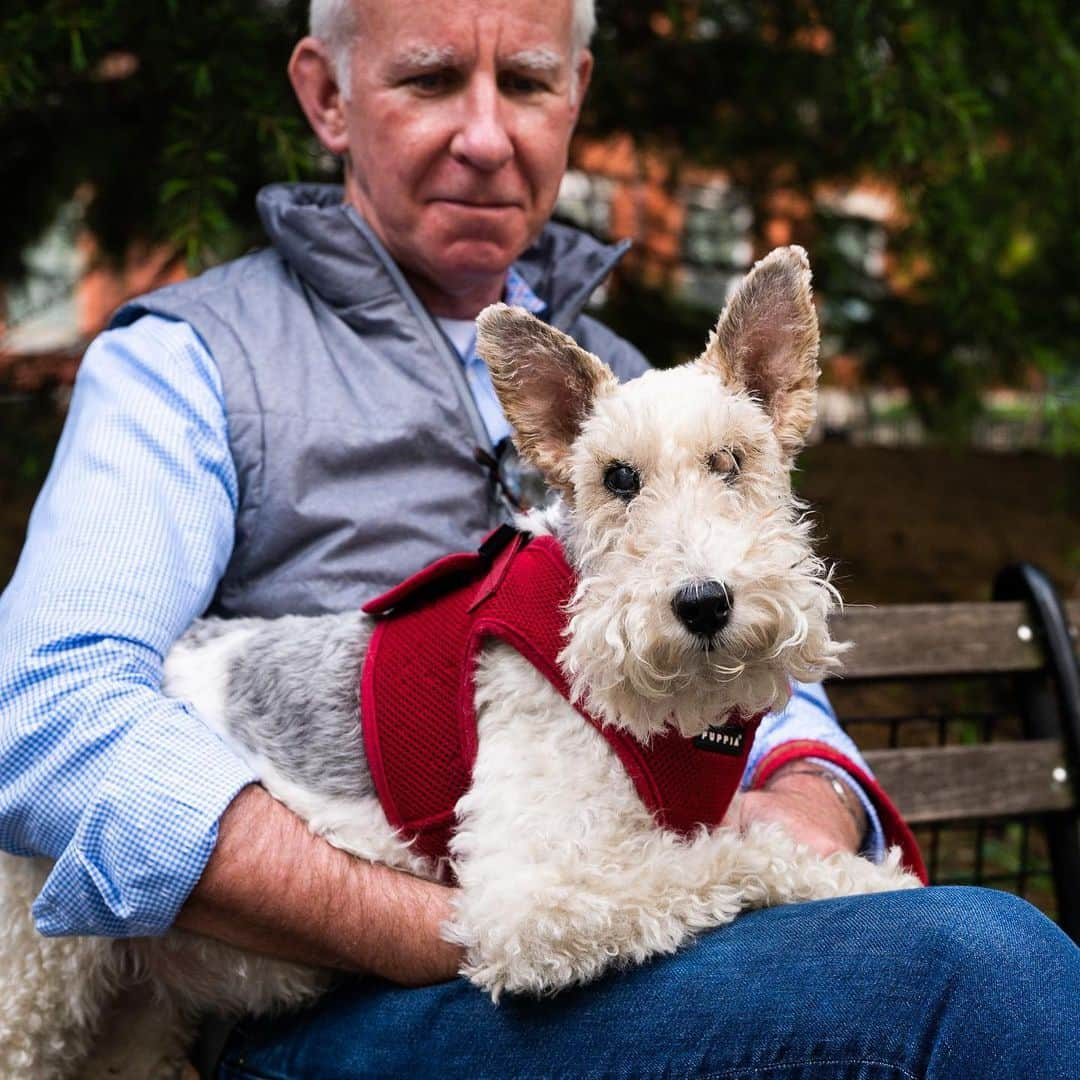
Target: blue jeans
943	982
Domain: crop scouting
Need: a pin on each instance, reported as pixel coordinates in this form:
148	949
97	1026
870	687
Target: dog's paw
770	868
853	875
500	974
494	979
890	874
536	956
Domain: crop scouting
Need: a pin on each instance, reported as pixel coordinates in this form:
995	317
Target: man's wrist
831	794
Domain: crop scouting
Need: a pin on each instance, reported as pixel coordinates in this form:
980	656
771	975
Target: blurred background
925	152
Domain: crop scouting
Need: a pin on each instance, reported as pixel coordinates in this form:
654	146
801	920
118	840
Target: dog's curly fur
563	872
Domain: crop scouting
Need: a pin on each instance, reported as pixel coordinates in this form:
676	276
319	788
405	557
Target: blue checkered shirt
120	785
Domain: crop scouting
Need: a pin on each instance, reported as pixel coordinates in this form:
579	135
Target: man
294	432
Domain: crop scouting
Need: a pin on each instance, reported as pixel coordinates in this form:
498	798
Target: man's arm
806	802
274	887
119	784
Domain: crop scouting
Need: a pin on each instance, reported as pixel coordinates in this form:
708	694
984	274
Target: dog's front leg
563	872
768	867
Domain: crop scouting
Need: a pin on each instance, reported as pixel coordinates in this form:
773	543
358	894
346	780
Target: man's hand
274	887
808	807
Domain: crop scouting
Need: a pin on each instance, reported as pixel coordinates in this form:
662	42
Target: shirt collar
519	294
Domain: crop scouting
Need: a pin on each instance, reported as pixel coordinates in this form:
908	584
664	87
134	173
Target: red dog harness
419	721
416	692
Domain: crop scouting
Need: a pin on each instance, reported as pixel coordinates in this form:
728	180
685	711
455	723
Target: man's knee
994	945
975	922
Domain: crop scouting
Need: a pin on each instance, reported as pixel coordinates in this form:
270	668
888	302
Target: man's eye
431	82
622	480
520	84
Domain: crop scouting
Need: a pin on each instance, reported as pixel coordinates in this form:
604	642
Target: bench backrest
965	718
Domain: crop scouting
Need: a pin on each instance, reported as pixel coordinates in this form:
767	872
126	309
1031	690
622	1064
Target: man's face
458	123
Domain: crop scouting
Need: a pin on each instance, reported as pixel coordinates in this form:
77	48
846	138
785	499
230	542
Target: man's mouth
478	204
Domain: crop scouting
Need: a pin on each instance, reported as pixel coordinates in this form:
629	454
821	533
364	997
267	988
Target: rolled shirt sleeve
118	783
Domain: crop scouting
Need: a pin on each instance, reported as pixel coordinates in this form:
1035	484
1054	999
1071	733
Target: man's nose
482	139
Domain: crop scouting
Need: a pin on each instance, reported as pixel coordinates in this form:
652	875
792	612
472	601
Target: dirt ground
903	525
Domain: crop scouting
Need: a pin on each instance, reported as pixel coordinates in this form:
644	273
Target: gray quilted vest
352	427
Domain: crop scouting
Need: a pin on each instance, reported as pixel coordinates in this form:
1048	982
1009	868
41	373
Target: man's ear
583	68
546	384
766	342
314	81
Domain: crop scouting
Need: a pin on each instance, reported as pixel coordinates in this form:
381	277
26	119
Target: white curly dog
678	478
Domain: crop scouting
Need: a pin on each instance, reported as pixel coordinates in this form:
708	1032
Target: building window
585	201
716	242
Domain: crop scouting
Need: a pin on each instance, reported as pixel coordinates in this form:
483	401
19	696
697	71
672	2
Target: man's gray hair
333	22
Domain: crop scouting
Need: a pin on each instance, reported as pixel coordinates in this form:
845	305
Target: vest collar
331	247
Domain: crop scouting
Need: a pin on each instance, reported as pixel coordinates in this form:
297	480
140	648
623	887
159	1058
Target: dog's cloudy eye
725	463
622	480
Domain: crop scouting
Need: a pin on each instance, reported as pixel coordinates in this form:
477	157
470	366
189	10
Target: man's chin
485	239
449	266
475	259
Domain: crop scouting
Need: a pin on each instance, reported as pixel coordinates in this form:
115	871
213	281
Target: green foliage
166	118
971	110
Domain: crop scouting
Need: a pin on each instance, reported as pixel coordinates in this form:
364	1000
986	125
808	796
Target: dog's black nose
703	607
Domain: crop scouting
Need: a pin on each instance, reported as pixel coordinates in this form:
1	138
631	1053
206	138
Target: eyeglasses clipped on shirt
520	484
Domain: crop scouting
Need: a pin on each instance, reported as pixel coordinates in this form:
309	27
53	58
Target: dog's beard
633	666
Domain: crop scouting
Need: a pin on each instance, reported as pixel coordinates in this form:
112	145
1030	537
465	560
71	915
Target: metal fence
1008	853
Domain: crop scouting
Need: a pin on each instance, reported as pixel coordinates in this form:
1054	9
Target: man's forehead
530	33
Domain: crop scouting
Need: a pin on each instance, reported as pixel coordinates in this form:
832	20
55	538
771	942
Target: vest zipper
438	339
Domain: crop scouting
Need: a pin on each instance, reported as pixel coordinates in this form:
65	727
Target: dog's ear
546	383
766	342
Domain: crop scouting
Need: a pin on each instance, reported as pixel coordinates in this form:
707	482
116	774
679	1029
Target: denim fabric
943	982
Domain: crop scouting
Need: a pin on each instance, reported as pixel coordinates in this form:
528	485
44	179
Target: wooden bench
969	714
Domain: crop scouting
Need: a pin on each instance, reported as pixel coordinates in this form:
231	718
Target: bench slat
938	639
957	783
